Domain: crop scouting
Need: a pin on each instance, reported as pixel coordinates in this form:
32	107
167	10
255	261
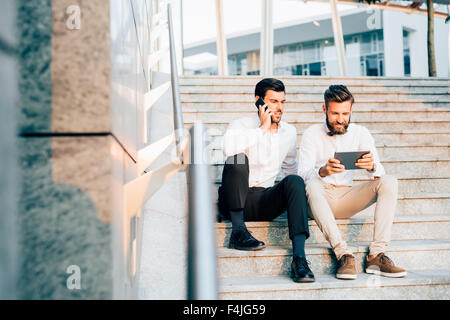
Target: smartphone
260	102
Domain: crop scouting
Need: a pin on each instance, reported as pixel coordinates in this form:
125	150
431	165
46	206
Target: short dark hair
268	84
337	93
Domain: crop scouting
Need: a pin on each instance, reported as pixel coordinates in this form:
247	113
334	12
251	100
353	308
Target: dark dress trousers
263	204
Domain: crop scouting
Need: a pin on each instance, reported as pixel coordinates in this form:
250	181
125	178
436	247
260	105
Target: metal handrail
177	111
202	271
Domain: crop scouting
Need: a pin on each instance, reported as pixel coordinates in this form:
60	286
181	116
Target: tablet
348	159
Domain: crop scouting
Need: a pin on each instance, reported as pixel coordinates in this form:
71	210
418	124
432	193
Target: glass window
315	69
406	54
202	63
366	43
372	65
309	53
380	41
373	42
380	64
299	53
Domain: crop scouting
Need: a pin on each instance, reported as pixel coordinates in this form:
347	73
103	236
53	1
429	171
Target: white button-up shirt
267	153
316	147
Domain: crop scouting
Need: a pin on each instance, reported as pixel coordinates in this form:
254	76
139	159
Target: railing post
338	37
202	274
182	37
178	114
221	42
266	52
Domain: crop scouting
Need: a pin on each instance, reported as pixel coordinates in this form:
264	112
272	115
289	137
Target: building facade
377	43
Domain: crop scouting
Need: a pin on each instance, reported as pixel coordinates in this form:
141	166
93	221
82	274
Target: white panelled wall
393	24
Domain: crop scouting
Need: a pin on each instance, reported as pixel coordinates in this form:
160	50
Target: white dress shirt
267	153
317	147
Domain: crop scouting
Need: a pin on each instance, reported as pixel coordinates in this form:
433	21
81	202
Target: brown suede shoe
382	265
347	268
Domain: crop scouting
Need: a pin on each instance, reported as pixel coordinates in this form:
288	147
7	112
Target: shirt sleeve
238	138
308	169
368	143
290	163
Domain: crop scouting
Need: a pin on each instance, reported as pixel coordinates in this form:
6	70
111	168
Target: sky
199	16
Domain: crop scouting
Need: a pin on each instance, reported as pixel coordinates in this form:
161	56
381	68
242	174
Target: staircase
410	122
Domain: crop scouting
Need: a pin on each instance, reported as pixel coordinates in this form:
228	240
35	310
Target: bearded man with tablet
330	189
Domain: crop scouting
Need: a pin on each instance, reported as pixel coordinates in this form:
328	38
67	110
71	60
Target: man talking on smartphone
257	148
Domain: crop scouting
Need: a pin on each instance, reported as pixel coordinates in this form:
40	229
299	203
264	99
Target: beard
336	130
277	119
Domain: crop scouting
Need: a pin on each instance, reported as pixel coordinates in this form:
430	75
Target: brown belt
329	186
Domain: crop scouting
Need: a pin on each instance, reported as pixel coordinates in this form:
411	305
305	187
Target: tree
430	40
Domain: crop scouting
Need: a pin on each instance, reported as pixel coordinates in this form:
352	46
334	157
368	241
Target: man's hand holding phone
265	115
333	166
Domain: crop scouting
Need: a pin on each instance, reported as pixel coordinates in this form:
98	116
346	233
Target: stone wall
64	144
8	153
72	236
71	122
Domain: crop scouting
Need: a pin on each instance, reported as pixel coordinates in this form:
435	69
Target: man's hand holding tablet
366	162
331	167
353	160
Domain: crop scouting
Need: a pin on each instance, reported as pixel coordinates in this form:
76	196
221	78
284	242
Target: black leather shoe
300	271
243	240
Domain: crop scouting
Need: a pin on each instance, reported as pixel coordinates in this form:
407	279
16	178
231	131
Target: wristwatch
374	168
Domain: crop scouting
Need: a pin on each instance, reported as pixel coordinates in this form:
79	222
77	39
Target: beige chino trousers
329	202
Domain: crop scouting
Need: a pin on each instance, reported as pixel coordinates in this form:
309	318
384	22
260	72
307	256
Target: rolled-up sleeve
290	163
368	143
308	168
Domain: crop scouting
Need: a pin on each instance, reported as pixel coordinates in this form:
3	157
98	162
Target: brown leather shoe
382	265
347	268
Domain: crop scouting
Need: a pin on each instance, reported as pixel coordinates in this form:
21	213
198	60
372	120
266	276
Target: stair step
418	284
276	260
405	185
387	137
317	98
317	81
407	205
355	229
424	168
301	115
386	153
249	89
309	106
425	124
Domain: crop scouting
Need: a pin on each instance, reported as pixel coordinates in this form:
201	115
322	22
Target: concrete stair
276	260
410	122
423	284
275	232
